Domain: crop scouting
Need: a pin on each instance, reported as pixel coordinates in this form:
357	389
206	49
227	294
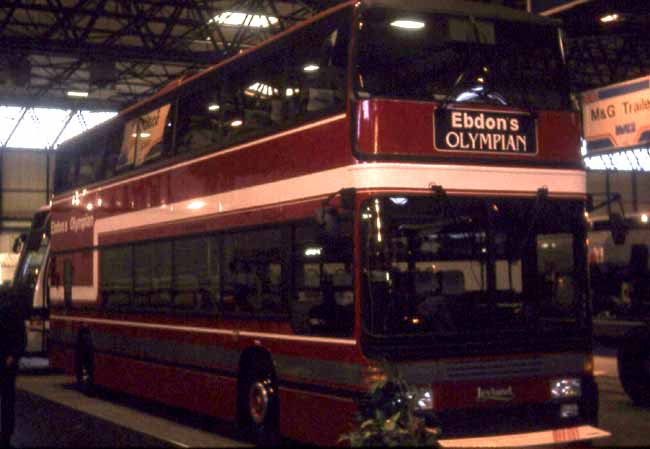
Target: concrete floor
52	412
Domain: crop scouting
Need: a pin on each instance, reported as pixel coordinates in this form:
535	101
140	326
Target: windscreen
33	251
469	269
460	59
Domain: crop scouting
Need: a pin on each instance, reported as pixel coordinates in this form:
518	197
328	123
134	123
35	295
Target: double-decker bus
390	182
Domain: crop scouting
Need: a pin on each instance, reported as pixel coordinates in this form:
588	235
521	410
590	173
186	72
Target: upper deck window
298	78
144	137
445	58
88	158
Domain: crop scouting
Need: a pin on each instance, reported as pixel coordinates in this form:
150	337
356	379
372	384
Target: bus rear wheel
634	365
258	405
85	364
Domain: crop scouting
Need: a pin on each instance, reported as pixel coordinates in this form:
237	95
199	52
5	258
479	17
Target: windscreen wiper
540	201
440	195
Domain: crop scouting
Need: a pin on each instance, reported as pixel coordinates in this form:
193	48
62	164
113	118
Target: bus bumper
554	436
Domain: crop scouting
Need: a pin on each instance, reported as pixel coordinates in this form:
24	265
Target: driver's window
556	272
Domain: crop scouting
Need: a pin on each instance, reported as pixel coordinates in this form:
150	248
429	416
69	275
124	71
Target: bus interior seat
154	154
325	90
256	119
161	291
426	283
187	287
123	162
452	282
342	279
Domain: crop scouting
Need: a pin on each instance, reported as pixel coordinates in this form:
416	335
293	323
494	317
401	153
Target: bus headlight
422	397
566	388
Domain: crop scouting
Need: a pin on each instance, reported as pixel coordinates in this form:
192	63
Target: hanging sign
617	116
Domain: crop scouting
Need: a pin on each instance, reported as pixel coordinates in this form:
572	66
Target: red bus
393	181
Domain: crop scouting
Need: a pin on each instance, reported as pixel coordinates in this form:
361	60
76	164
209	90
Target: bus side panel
304	416
198	391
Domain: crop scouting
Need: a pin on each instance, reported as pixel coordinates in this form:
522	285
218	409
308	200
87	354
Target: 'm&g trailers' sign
484	132
616	117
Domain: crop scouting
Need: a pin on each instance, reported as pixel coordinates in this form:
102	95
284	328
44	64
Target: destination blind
484	132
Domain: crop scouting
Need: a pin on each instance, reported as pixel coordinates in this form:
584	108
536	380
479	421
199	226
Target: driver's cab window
556	272
323	303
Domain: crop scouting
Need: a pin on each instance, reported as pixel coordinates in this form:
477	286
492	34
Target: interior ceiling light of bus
408	24
234	18
608	18
629	160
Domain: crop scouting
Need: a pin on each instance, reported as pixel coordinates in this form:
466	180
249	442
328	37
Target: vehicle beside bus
385	181
620	285
30	281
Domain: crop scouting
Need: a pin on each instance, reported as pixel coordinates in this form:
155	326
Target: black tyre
258	406
85	364
634	365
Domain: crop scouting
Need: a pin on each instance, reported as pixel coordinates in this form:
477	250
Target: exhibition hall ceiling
121	51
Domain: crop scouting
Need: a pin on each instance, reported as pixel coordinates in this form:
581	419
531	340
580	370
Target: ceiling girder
88	50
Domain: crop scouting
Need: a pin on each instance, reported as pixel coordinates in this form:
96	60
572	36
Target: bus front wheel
634	365
258	404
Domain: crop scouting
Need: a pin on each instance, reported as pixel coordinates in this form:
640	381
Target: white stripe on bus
204	330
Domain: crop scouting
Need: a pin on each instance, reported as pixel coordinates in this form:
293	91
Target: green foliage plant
388	417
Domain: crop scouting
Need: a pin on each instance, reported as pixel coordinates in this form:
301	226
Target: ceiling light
236	123
310	68
77	93
213	107
260	89
609	18
644	218
407	24
233	18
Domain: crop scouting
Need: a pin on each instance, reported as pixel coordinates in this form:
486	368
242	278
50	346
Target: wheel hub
258	401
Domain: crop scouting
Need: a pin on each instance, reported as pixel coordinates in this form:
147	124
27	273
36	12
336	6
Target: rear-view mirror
18	243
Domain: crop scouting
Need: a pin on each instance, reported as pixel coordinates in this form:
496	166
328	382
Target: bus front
472	231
